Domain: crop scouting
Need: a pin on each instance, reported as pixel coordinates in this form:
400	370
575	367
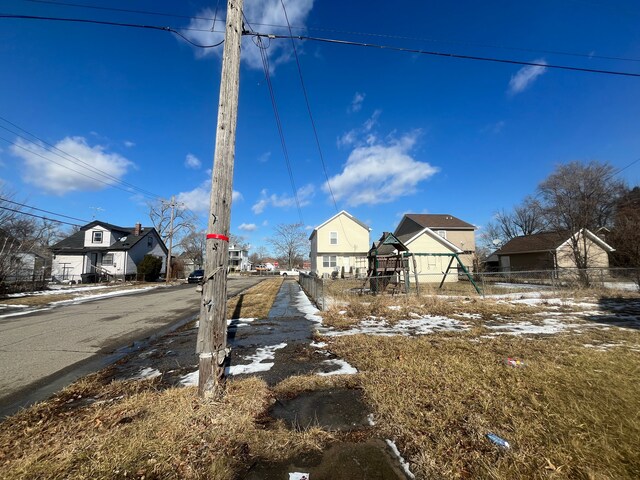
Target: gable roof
410	237
439	221
388	244
546	242
351	217
75	243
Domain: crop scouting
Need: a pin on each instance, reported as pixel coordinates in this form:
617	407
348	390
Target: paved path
46	350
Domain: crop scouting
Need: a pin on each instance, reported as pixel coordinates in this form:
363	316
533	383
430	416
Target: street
44	351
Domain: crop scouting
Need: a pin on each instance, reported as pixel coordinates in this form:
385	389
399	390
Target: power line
452	42
67	156
39	216
42	210
114	24
123	10
110	184
285	151
313	123
332	30
445	54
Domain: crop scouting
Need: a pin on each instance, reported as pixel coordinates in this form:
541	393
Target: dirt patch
333	410
369	460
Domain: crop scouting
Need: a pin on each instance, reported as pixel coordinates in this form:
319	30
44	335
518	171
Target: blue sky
399	132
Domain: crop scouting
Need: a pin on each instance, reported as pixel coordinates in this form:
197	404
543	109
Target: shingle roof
436	221
75	242
539	242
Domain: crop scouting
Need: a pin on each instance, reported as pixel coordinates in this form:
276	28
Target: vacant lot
434	372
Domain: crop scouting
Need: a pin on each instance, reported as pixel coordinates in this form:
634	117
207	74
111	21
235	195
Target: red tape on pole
217	237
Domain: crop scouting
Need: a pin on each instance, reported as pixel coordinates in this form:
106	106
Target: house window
96	237
442	233
107	259
329	261
333	238
149	241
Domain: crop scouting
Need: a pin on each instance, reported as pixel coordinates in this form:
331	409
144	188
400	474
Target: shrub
149	268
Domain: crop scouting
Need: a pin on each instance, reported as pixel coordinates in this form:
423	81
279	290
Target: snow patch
147	373
549	326
304	305
345	368
419	326
403	463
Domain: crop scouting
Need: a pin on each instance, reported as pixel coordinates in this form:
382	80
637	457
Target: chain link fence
323	291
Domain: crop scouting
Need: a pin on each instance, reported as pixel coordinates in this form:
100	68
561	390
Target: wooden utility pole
212	333
173	211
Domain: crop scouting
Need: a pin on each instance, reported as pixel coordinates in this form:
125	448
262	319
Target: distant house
102	250
552	251
17	263
238	258
341	241
437	233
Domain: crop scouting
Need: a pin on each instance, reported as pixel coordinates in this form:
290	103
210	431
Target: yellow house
439	234
341	241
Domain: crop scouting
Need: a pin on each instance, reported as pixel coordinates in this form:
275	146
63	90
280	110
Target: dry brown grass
403	307
134	431
572	412
256	301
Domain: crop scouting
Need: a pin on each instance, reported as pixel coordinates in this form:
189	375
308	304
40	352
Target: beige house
439	234
553	251
341	241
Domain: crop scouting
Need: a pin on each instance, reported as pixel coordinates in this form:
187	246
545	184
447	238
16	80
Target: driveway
44	351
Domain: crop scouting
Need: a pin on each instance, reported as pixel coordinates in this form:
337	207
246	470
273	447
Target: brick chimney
137	229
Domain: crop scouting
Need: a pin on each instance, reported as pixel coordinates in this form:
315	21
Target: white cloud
198	198
63	174
258	12
129	143
191	161
362	135
283	201
526	76
356	103
264	157
494	128
380	173
248	227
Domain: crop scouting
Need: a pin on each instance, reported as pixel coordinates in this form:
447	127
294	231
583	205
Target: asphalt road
44	351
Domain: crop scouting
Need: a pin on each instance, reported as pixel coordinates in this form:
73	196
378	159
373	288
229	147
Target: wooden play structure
388	266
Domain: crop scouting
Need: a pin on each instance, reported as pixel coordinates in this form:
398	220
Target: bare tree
193	245
258	256
580	196
525	219
184	221
290	243
625	235
22	234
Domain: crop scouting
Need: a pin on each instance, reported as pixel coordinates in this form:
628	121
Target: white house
238	258
105	250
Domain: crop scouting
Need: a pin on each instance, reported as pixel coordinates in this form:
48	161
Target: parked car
196	276
293	272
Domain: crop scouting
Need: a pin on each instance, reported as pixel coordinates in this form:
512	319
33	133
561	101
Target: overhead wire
333	30
114	24
39	216
265	65
42	210
313	123
74	159
448	54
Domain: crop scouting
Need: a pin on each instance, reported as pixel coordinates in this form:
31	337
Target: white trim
437	237
594	238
